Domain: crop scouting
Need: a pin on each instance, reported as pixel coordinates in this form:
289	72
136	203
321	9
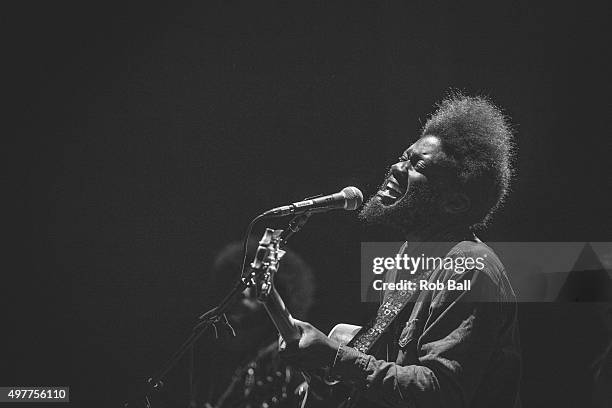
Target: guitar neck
281	317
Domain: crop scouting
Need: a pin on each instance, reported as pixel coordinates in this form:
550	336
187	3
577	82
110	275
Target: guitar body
343	332
342	395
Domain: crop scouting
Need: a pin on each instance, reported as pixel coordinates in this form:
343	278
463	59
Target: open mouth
393	190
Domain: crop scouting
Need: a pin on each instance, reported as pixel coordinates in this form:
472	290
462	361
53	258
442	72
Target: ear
457	203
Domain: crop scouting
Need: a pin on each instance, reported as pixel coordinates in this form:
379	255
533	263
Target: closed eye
416	160
421	164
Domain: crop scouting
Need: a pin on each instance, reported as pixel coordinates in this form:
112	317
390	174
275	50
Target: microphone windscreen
354	197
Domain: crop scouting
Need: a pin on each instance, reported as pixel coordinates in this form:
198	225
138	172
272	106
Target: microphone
349	199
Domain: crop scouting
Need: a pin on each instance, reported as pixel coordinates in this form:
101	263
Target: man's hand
314	350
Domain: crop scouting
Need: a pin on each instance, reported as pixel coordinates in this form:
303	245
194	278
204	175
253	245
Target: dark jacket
451	348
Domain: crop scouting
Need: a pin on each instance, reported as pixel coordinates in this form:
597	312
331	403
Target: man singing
443	348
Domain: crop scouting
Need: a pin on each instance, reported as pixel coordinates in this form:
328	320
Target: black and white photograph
260	204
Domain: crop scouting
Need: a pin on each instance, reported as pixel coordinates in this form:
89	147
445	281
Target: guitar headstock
266	263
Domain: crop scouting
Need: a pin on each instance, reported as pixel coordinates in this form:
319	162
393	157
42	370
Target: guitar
263	270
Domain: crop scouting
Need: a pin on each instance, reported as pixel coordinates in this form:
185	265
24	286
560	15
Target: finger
300	323
302	389
282	345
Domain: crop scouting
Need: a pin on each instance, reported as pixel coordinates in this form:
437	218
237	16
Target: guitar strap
391	307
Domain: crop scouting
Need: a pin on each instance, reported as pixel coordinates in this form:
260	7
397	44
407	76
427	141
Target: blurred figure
244	370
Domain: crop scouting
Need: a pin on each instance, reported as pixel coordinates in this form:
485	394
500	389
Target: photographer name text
422	284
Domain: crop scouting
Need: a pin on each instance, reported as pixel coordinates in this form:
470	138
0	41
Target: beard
417	210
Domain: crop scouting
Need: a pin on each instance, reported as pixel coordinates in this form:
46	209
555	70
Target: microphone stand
295	225
212	317
209	319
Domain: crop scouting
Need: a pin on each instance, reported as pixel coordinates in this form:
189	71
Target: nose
400	171
400	167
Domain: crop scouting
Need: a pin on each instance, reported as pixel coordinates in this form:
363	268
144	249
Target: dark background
141	138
